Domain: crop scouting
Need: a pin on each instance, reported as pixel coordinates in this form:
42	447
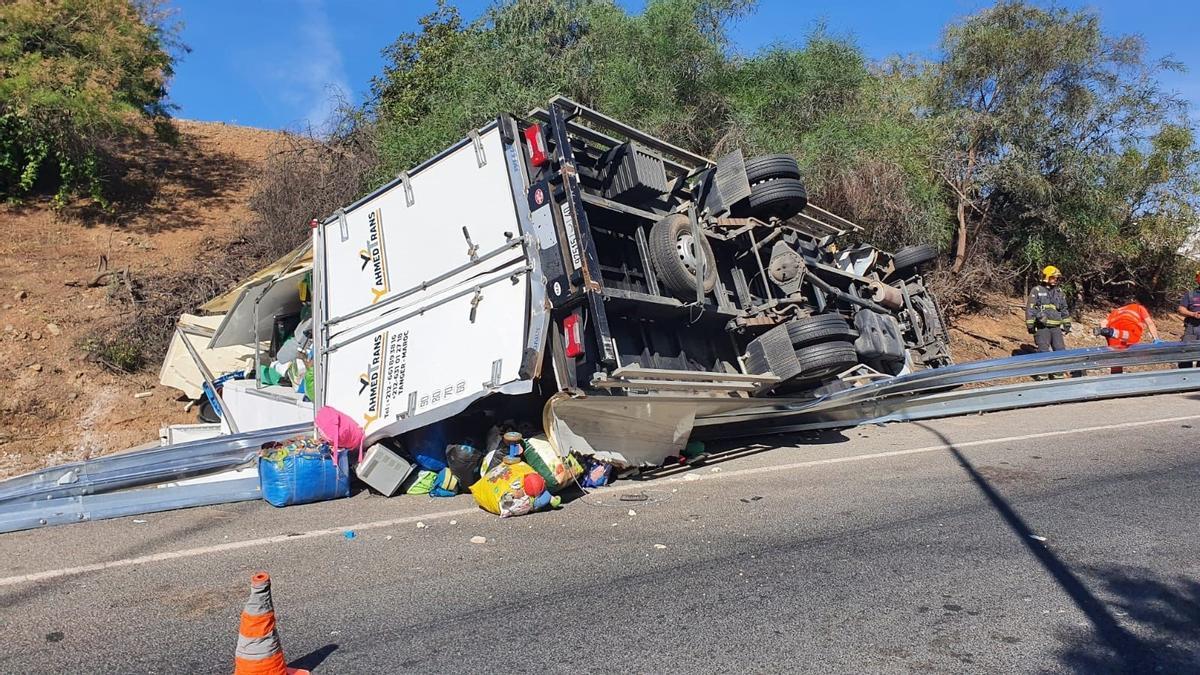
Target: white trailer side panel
384	250
431	359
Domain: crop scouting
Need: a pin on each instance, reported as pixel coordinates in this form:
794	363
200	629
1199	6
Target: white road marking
629	487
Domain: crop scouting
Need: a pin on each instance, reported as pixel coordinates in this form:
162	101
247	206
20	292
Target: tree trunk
960	247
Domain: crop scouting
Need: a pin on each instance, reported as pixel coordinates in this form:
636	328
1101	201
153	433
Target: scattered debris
632	512
21	295
691	476
388	538
349	534
478	540
143	394
454	522
138	521
751	499
660	546
1037	538
421	525
53	329
37	367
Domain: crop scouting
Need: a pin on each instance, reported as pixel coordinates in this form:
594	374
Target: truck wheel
676	256
913	256
931	317
812	330
206	413
768	167
778	198
826	359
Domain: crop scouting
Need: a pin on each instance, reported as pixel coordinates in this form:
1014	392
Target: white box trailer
631	285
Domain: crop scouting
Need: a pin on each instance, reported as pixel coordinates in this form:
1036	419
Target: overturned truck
569	257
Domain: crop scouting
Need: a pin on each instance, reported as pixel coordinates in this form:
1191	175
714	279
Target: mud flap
624	430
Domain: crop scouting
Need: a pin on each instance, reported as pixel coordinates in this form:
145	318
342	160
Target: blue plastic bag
302	470
428	446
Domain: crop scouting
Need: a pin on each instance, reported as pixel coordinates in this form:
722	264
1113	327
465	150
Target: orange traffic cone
258	649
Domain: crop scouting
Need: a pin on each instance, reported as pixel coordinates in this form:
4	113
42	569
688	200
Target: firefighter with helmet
1047	316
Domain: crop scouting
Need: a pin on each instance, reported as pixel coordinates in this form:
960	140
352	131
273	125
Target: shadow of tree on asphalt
1109	646
1164	614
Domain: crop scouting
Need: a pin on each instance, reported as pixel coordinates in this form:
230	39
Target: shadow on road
1165	613
314	658
720	452
1110	646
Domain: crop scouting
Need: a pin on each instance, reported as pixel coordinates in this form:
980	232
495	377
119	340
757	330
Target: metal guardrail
967	402
106	487
142	467
62	510
858	403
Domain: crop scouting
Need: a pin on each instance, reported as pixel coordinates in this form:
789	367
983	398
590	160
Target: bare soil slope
55	405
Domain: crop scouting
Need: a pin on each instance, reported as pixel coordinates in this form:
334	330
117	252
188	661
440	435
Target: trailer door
424	292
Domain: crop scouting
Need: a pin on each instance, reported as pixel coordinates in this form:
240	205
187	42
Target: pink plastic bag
341	431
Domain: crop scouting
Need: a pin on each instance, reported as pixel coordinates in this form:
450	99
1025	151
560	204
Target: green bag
558	472
421	483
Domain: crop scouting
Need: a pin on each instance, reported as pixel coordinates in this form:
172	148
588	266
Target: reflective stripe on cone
258	650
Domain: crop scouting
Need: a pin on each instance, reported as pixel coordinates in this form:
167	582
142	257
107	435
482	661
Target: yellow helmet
1050	271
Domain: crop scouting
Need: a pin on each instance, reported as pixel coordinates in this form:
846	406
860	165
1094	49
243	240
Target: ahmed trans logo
375	256
371	382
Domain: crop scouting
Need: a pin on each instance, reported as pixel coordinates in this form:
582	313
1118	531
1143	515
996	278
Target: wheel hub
685	246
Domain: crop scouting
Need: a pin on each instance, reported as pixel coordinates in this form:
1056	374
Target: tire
769	167
931	317
823	360
913	256
779	198
674	256
206	413
814	330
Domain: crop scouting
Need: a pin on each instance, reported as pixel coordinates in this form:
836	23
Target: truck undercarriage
690	265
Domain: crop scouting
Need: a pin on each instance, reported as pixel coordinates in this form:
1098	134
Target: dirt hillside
57	406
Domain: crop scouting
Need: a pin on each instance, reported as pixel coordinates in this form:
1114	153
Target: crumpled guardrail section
142	467
924	395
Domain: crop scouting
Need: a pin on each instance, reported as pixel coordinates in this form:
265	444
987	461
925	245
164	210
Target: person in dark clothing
1047	316
1189	309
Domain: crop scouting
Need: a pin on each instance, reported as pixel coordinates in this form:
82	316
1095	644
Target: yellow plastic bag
501	490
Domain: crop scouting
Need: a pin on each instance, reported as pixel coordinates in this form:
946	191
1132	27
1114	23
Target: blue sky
278	63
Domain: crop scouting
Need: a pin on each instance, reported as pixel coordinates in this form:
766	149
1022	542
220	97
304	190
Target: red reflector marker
573	330
537	145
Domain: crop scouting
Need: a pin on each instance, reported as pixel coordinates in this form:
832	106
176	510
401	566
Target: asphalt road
1061	539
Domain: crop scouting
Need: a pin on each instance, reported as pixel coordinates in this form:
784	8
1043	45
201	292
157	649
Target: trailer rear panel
425	284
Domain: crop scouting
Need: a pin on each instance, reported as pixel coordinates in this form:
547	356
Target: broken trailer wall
418	317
